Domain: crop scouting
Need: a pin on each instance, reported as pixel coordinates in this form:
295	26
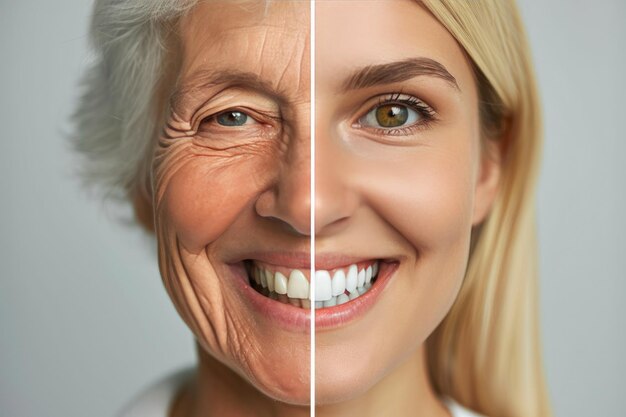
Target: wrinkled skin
223	192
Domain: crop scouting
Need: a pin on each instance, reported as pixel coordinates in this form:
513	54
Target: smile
332	287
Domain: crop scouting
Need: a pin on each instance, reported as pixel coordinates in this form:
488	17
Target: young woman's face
399	179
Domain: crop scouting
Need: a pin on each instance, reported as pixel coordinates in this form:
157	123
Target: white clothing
155	401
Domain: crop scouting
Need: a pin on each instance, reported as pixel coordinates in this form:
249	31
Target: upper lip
302	260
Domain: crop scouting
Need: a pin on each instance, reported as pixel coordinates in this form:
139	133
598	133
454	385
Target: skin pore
401	177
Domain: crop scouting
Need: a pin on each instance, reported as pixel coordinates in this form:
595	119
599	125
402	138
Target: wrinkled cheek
206	195
197	197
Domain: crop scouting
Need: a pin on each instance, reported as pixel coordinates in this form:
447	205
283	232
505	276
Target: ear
142	205
488	181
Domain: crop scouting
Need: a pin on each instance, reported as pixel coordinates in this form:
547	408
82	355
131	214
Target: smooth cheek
425	193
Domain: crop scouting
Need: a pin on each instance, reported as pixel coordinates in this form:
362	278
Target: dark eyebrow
398	71
233	78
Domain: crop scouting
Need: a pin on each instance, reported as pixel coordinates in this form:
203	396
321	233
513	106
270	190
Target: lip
296	319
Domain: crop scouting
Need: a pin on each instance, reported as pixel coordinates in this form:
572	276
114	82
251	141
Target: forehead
370	32
266	39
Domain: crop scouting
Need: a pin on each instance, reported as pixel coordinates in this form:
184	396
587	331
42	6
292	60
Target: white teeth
342	299
339	282
298	286
360	278
323	287
280	283
331	303
346	284
351	279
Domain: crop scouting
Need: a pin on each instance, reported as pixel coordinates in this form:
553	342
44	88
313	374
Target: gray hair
115	120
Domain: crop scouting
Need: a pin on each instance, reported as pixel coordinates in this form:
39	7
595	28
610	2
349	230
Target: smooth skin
411	193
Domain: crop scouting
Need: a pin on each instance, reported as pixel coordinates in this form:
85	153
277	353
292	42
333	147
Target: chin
343	382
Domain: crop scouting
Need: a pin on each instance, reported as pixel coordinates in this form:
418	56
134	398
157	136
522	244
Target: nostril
289	211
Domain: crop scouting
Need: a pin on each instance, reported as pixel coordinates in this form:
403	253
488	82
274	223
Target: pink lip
297	319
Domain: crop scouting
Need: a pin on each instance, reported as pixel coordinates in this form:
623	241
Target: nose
335	201
288	200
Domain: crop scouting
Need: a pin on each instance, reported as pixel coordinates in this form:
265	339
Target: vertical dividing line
312	267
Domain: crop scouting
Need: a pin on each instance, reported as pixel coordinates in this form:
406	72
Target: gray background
85	323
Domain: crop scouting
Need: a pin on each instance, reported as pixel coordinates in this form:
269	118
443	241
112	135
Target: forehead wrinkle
211	78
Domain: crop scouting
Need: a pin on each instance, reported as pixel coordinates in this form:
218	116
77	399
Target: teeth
280	283
341	299
351	279
298	286
360	278
269	277
342	286
323	287
339	282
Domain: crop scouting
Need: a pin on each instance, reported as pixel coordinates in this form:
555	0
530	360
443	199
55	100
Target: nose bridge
289	199
294	183
334	201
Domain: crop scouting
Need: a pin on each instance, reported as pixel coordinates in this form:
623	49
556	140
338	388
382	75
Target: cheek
425	194
202	195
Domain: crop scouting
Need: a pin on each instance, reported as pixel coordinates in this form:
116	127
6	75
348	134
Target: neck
404	392
219	391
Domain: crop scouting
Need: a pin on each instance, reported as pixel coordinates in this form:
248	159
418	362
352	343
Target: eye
233	118
397	114
391	115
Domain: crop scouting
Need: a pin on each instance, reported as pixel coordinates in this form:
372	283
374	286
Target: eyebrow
232	78
397	71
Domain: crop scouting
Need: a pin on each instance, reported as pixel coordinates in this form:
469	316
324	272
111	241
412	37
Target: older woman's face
231	184
399	178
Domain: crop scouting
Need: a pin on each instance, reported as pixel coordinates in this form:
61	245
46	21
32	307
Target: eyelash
426	112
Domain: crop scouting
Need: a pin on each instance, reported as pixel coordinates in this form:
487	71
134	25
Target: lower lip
298	319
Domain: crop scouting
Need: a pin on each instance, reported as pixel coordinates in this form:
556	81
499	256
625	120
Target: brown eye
391	115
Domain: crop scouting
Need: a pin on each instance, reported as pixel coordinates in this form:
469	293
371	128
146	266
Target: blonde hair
486	353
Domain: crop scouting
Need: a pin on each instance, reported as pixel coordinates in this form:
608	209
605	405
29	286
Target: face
400	182
231	188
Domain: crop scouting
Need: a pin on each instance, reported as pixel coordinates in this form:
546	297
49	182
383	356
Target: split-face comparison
400	180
